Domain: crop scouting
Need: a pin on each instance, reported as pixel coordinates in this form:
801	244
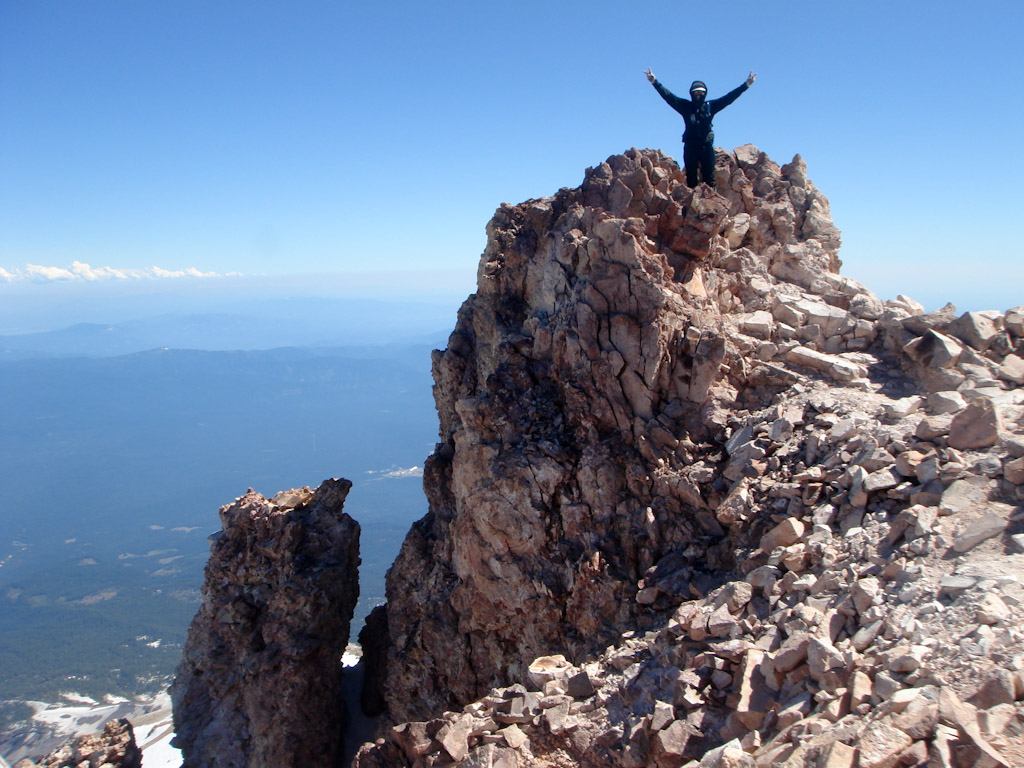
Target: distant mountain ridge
267	325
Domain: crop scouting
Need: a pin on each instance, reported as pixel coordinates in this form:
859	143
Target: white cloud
80	271
38	273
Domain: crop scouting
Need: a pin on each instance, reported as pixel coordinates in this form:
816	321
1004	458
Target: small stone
903	407
974	329
965	495
956	584
758	324
721	623
1012	369
907	462
664	713
864	592
866	635
729	755
931	427
514	736
985	527
1013	471
933	350
793	652
789	531
884	687
555	717
454	737
976	426
946	402
991	609
546	668
880	745
670	743
755	697
860	689
580	686
882	480
837	755
998	689
836	368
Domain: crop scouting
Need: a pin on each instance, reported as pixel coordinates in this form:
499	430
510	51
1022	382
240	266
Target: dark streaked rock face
259	683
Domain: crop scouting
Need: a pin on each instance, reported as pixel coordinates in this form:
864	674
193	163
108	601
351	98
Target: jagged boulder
259	683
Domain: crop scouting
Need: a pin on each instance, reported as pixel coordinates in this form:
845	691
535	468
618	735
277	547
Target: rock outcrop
700	500
579	400
259	683
115	747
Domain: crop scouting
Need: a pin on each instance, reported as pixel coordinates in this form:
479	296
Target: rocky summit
698	500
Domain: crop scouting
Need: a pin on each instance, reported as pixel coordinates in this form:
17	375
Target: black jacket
698	117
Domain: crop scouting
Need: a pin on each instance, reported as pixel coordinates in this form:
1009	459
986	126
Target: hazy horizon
163	138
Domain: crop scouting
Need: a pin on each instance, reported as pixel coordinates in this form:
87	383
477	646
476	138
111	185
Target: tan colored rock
932	427
985	527
998	690
789	531
758	324
454	737
1013	471
1012	369
991	609
959	715
670	743
864	592
754	695
946	402
974	329
881	745
966	495
933	350
837	755
546	668
834	367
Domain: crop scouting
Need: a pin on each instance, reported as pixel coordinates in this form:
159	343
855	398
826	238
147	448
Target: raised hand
650	74
751	78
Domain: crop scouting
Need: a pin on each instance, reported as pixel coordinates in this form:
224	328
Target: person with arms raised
698	112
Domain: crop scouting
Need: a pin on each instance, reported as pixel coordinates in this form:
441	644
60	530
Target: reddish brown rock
115	747
259	683
594	342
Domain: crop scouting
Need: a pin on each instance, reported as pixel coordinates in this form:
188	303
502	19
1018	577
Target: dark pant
699	159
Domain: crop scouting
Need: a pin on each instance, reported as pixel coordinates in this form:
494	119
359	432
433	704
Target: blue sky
329	137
